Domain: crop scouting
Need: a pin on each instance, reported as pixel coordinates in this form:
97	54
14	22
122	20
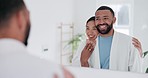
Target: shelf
67	33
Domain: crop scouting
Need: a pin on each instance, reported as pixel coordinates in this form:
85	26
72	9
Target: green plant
144	55
74	42
146	70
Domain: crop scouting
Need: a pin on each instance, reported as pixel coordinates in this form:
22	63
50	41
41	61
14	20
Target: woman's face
91	30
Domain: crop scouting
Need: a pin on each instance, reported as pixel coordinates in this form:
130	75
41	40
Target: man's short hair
106	8
8	8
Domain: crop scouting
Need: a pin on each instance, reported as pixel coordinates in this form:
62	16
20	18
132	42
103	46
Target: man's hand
66	74
86	53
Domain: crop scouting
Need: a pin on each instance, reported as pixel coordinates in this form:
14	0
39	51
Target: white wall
107	2
83	10
46	15
140	28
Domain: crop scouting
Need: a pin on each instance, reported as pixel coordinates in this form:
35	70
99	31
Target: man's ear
114	19
21	20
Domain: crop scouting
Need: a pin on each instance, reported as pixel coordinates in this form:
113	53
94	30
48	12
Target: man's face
104	28
104	21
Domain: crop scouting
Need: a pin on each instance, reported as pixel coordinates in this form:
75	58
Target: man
15	61
113	50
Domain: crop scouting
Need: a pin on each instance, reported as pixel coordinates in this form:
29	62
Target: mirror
72	12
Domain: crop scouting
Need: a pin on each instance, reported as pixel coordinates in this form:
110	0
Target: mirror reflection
110	40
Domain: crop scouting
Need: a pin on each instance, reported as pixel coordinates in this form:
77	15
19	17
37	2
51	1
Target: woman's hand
86	52
137	44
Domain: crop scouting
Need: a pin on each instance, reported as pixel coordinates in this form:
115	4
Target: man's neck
111	33
10	35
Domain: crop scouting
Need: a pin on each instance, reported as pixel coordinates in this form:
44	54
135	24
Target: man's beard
109	27
27	33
